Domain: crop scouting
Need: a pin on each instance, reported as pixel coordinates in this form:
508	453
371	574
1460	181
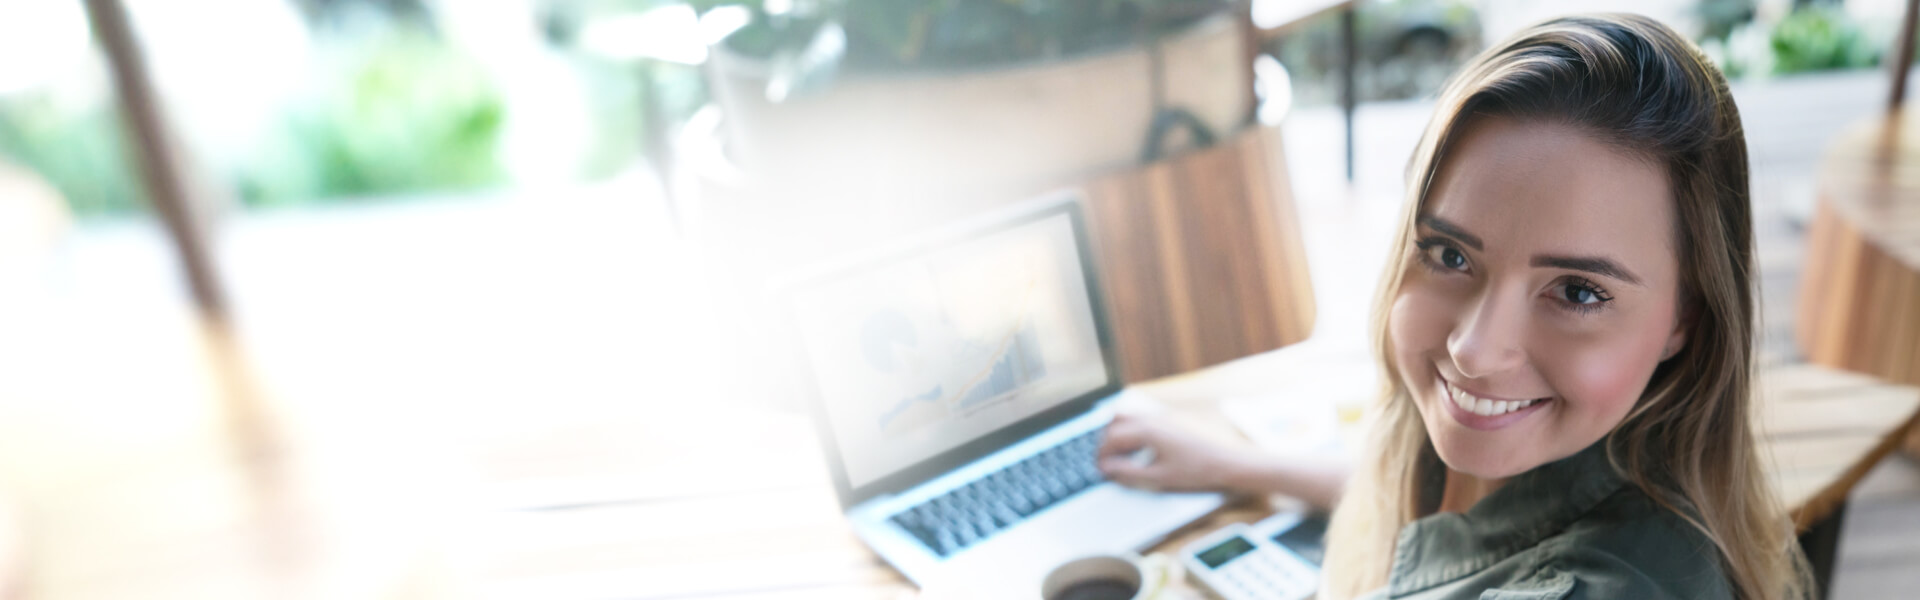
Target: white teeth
1484	407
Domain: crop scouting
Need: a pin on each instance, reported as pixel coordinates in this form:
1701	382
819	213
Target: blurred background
373	298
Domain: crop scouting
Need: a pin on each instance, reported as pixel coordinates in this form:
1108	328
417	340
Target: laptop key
945	542
916	528
1074	479
906	520
1092	471
1020	503
1005	515
983	523
1037	493
997	482
966	534
1056	488
971	492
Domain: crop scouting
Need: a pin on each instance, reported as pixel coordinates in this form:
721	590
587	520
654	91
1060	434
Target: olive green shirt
1573	528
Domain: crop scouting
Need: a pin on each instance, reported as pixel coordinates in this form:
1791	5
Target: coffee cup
1106	577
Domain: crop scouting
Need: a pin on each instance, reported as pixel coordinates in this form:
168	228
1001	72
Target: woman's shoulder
1626	547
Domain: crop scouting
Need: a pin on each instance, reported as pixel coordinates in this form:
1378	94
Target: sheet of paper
1316	410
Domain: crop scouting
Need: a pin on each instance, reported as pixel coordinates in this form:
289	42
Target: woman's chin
1480	460
1478	453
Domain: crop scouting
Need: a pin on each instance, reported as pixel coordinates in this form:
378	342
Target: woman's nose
1486	340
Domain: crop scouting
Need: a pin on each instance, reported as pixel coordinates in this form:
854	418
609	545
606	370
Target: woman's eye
1447	257
1583	294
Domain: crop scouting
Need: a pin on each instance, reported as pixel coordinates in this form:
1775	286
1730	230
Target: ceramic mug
1106	577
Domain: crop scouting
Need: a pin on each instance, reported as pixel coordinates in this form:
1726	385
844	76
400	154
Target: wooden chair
1201	257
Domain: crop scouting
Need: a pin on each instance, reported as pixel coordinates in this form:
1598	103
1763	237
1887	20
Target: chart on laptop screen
917	355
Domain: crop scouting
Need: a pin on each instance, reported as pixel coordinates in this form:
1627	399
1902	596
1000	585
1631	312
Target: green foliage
80	150
407	115
1818	39
404	114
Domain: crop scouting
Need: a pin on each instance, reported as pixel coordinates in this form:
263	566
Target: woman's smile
1486	412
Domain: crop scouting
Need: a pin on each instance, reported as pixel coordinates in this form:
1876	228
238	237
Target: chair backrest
1201	256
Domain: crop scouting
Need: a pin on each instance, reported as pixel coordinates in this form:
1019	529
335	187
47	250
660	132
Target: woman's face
1542	291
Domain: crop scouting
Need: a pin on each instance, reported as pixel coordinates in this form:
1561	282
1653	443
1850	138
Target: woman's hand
1181	462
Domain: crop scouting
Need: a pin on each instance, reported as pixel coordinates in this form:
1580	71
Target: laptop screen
921	353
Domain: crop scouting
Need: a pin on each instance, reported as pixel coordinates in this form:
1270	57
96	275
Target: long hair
1636	85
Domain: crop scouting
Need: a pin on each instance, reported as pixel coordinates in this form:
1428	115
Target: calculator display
1225	551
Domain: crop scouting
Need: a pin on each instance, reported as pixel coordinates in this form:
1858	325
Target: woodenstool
1859	305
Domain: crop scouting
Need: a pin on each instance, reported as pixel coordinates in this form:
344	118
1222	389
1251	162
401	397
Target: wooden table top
758	518
1871	178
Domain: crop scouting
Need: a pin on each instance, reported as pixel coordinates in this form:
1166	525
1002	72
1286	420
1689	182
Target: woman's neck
1462	491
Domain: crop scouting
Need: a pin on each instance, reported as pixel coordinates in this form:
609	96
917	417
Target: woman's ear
1674	343
1678	339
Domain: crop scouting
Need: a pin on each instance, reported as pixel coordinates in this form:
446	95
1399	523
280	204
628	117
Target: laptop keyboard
974	512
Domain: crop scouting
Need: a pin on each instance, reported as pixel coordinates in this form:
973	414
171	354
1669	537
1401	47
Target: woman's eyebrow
1443	226
1591	264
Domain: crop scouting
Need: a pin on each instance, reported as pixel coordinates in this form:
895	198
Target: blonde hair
1638	86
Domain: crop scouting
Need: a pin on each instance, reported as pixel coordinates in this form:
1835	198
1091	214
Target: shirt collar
1529	508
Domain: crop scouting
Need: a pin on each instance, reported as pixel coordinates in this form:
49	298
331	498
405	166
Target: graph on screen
988	371
918	355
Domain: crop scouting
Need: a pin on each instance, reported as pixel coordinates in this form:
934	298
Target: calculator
1249	562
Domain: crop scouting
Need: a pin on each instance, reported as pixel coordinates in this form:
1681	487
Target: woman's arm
1183	462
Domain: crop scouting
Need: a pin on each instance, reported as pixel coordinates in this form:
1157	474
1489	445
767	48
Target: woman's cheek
1606	379
1418	325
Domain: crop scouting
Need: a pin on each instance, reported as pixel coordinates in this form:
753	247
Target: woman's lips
1486	414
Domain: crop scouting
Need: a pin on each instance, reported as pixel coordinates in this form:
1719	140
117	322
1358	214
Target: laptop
961	383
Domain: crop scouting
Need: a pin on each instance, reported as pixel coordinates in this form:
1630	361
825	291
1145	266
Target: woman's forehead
1528	186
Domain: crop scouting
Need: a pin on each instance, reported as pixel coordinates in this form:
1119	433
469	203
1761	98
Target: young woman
1567	338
